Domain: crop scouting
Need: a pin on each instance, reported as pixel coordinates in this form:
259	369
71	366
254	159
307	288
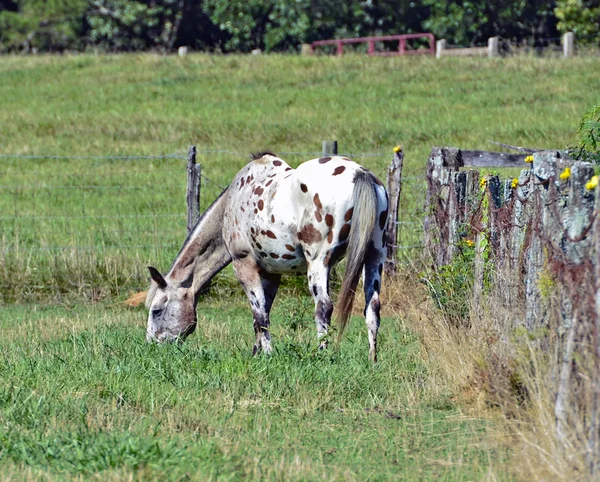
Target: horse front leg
260	288
318	281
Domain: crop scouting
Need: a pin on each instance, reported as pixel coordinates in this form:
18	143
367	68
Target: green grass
82	394
58	240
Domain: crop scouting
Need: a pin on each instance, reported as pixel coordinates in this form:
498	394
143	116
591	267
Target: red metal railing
402	50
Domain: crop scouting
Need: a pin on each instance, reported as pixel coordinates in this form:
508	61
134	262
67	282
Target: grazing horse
272	220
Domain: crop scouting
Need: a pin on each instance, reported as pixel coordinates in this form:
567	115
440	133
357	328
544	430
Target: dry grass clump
500	370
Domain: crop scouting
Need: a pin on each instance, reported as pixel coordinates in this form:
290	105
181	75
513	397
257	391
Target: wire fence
57	212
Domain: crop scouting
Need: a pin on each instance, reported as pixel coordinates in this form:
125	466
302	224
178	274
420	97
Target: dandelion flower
566	174
529	159
470	242
482	182
514	183
592	183
397	149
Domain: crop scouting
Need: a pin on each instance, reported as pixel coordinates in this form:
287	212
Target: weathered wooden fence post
330	148
441	165
394	188
193	189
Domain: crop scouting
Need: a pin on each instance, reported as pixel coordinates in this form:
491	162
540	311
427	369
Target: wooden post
193	189
568	42
394	188
440	46
493	47
330	148
440	165
306	50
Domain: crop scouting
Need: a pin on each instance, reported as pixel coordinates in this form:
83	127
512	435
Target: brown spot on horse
318	216
258	191
288	256
348	215
309	234
323	160
274	255
271	234
277	163
303	187
317	201
261	204
344	232
338	170
289	247
329	220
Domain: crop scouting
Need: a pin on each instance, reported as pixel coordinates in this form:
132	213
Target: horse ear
157	277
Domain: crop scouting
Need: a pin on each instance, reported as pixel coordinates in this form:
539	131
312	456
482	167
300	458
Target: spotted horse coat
275	220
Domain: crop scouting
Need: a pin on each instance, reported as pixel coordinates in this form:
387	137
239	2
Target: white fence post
493	47
568	42
440	45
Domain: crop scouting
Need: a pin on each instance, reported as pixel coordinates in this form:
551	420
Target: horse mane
257	155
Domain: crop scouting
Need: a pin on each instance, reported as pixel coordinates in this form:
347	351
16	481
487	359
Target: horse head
172	310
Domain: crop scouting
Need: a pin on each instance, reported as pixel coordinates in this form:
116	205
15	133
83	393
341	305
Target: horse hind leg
372	285
260	288
318	280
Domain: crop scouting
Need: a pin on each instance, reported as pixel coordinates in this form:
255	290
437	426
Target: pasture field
82	395
86	228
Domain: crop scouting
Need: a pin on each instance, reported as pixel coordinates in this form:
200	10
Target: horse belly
278	251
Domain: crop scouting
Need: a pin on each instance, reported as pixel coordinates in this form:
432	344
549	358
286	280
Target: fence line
19	223
537	240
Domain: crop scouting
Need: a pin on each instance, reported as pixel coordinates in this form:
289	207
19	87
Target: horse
275	220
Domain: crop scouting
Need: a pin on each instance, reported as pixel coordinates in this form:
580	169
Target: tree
581	18
42	24
469	22
135	24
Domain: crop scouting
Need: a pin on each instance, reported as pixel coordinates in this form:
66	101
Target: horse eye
156	313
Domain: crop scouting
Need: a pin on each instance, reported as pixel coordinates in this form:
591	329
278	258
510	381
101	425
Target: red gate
402	50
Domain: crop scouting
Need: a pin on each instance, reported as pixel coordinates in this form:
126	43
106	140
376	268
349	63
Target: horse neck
203	253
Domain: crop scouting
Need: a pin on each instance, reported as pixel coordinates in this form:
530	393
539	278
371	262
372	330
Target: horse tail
364	218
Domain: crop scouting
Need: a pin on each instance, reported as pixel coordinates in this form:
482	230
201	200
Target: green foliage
589	135
451	286
134	24
469	22
272	25
278	25
44	25
580	17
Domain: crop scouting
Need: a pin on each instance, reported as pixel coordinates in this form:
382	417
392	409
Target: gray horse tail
364	218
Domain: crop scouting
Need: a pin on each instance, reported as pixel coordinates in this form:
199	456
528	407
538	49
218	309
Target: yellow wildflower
566	174
592	183
529	159
482	182
514	183
470	242
397	149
